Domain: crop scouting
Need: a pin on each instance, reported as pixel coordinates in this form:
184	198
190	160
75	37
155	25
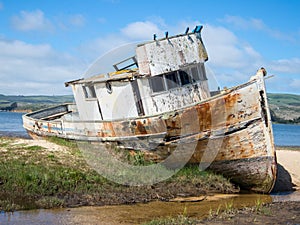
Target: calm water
286	134
11	125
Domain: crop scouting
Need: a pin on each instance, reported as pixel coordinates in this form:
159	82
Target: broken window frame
184	77
172	83
89	91
195	75
168	83
159	79
202	72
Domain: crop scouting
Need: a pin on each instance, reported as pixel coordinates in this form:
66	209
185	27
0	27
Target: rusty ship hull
229	133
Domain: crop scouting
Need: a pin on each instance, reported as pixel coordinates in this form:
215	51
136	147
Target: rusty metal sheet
170	54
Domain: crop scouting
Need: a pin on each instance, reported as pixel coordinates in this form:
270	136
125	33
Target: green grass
283	99
205	179
27	178
27	173
63	142
34	148
35	177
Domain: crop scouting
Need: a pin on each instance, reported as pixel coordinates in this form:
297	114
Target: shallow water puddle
135	214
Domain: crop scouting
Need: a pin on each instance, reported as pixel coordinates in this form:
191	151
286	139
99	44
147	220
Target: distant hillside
285	108
30	103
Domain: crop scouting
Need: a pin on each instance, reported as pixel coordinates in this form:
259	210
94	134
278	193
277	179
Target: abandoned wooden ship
161	101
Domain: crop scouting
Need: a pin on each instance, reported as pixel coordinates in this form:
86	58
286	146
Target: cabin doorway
137	98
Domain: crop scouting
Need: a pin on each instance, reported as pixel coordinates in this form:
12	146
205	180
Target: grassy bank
285	108
31	103
35	176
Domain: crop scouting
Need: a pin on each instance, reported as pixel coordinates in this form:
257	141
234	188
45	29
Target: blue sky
46	43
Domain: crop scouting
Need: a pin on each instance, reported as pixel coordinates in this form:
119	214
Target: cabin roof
102	78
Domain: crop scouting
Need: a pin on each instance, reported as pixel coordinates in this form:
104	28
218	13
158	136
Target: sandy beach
288	176
290	160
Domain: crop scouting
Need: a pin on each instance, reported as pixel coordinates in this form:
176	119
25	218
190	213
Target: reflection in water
131	214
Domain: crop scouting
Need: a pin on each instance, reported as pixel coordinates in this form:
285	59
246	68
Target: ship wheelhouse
164	75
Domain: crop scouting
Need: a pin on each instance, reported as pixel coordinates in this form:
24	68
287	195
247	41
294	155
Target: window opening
172	80
129	63
195	74
157	83
202	72
184	77
108	87
89	91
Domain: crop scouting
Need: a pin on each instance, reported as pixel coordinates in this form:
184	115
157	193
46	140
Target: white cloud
287	66
135	32
99	46
225	50
35	69
140	30
31	21
31	69
1	6
19	49
233	61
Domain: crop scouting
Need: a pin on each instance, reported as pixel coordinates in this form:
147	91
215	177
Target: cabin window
108	87
202	72
178	78
172	80
157	83
195	74
184	77
89	91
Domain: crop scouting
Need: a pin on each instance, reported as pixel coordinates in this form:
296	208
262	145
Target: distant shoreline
282	147
17	111
287	122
